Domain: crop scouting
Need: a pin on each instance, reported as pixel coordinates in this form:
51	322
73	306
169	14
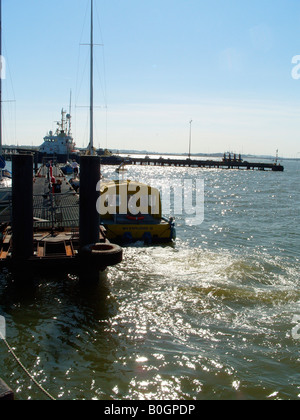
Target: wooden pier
56	211
48	229
193	163
230	161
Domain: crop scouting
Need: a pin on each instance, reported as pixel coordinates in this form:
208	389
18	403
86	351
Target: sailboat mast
1	63
91	147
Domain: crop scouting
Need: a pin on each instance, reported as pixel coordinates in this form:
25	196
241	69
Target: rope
25	370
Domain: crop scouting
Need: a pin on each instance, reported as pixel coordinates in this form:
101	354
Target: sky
224	64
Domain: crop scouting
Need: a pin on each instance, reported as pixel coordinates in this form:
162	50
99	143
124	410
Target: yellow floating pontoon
132	211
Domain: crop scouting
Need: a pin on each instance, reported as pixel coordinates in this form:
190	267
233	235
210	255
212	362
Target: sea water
216	315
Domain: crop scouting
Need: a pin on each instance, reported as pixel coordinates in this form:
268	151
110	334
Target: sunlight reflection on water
209	317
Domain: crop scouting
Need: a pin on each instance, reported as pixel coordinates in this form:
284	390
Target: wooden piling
89	218
22	206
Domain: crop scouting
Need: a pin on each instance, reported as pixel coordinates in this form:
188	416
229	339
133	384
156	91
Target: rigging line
8	71
78	90
9	74
25	370
80	41
106	128
103	55
8	115
98	18
85	138
104	84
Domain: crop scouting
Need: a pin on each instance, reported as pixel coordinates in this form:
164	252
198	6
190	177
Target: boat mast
91	145
69	115
1	63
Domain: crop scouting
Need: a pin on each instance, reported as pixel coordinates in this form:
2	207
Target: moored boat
132	211
5	186
59	145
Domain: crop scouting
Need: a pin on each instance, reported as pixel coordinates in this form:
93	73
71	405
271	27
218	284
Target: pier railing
56	211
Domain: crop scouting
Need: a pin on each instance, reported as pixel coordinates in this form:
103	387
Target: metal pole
89	218
22	206
36	163
91	147
1	64
190	143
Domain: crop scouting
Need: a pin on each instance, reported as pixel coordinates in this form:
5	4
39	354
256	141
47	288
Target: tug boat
60	144
132	211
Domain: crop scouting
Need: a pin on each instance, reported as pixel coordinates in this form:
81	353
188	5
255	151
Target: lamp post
190	143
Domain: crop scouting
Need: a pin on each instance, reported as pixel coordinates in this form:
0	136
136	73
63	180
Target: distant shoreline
215	155
145	152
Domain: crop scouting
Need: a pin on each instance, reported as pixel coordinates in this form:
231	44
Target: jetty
50	226
227	162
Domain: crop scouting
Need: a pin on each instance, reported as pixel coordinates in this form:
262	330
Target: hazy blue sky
225	64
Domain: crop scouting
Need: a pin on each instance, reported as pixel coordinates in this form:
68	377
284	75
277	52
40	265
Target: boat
71	168
67	169
5	183
5	195
5	173
5	187
132	211
59	145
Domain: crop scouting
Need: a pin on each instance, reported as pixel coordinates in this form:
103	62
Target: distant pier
234	163
229	161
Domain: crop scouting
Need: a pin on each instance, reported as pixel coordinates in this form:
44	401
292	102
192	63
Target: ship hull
162	232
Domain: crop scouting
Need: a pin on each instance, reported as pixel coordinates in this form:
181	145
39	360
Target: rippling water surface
210	317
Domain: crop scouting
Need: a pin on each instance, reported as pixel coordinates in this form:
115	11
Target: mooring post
36	163
89	218
22	206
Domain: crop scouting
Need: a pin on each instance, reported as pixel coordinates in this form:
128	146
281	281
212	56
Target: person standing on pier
75	167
